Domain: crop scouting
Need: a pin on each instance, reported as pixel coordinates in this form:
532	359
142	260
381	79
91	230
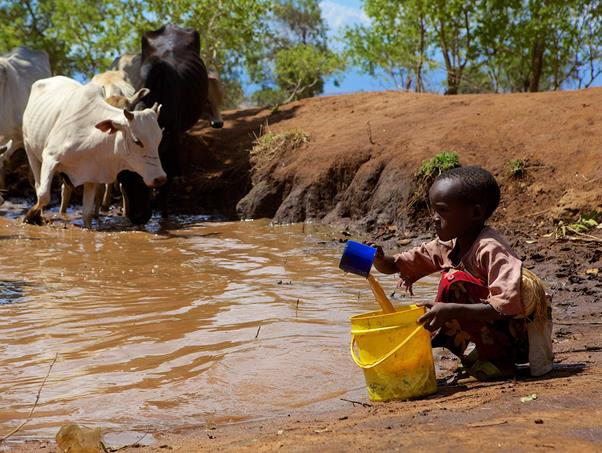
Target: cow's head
137	142
125	102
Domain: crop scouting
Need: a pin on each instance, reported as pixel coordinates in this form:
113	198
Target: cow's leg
108	195
124	201
98	197
163	198
6	153
36	168
43	185
89	203
66	191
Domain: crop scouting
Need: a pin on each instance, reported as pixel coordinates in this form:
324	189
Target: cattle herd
122	129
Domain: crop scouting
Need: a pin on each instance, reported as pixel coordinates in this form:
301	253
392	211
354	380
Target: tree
397	42
84	36
499	45
296	59
541	44
453	25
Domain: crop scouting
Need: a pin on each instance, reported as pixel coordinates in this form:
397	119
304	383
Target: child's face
453	216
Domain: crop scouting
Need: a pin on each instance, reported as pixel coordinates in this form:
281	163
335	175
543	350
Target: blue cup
357	258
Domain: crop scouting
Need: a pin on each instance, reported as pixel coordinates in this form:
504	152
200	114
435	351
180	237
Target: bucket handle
367	366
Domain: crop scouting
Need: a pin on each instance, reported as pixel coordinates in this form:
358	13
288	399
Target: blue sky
339	14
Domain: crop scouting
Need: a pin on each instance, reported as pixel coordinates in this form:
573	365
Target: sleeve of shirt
420	261
503	271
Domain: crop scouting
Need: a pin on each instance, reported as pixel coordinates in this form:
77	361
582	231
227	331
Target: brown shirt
490	259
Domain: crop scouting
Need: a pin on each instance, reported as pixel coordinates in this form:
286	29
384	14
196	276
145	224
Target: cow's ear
106	126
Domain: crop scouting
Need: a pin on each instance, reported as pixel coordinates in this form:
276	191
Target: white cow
118	93
19	69
114	83
130	65
68	128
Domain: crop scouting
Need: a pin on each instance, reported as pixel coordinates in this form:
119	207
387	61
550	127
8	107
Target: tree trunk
419	83
539	48
452	81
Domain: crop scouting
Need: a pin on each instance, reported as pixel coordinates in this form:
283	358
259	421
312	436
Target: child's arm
412	264
385	264
439	314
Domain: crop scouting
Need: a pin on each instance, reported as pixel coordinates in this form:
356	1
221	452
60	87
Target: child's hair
477	186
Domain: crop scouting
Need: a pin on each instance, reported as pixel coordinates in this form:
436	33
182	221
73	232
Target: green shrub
431	168
516	167
425	176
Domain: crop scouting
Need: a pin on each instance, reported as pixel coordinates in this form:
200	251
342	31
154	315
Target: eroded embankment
363	151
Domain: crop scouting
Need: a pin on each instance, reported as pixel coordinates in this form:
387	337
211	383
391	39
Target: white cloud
338	16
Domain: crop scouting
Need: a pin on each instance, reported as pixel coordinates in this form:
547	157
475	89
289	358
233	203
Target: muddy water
181	324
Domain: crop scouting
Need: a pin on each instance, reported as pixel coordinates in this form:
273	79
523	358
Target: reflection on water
171	326
12	291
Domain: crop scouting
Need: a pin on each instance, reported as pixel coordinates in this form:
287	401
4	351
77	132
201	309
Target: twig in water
370	134
35	404
134	445
257	334
356	402
483	425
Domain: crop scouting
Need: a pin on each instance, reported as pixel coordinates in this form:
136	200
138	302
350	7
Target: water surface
179	324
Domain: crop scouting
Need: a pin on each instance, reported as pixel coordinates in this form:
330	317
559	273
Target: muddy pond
182	323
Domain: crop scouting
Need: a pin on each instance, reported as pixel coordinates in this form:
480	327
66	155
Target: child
484	296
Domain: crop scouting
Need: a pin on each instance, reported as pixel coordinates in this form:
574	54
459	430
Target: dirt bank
364	150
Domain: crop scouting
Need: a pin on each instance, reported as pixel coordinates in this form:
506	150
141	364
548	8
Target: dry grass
270	145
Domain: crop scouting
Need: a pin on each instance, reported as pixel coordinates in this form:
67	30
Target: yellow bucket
395	354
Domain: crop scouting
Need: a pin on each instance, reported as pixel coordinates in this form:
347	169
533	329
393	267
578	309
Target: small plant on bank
271	144
586	222
516	168
429	170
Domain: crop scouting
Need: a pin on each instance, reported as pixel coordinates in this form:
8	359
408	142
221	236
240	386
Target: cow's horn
6	147
129	115
157	108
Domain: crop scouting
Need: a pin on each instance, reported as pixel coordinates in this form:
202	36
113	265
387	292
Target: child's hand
437	315
380	253
382	262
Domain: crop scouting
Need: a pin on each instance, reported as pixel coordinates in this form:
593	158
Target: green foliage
431	168
426	174
295	60
300	70
545	44
485	45
397	43
84	36
586	222
516	167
